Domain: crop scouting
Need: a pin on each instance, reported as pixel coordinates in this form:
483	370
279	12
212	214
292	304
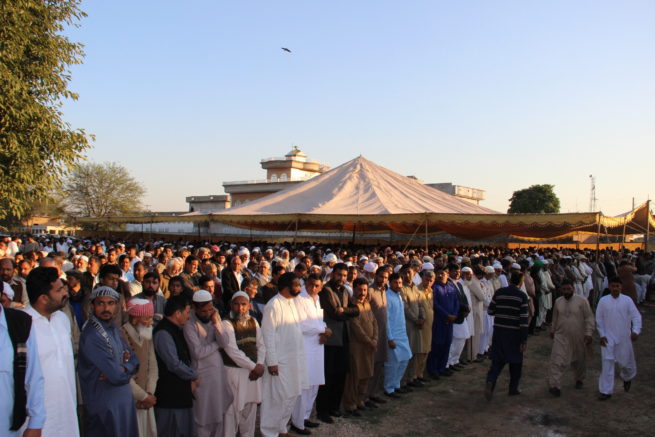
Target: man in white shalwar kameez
48	295
244	361
619	324
285	358
315	333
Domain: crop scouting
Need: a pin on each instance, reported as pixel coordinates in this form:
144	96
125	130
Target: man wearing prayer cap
138	333
369	271
204	335
243	355
106	365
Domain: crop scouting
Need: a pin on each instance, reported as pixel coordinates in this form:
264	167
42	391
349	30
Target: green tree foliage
534	200
102	190
37	148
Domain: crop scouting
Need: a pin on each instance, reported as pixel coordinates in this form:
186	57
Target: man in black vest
177	378
19	350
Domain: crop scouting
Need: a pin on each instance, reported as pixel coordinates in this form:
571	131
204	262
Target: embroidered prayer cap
140	307
202	296
427	266
240	294
467	270
104	291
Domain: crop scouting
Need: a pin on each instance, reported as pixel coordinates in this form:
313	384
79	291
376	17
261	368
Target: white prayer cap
244	251
300	254
427	266
104	291
459	259
370	267
202	296
348	263
84	257
363	258
498	265
240	294
397	268
467	270
330	258
516	266
489	269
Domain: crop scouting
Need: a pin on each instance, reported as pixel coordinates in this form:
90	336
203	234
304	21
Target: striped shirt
510	308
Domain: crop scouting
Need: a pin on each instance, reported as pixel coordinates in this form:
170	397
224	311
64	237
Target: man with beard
138	333
446	308
399	352
204	336
178	379
150	288
48	295
363	343
315	333
573	325
106	365
7	270
244	356
377	296
619	324
285	358
337	308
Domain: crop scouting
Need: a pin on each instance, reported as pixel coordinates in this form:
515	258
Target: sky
497	95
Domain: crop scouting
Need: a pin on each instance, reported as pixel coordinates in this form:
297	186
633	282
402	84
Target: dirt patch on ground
456	406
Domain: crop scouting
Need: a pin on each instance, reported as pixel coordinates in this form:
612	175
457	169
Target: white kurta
284	348
53	338
311	325
616	320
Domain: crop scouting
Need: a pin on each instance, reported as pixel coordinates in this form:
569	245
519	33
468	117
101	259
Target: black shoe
299	431
416	384
335	413
455	368
447	372
351	413
488	391
578	385
603	397
404	390
555	391
514	392
377	400
423	380
325	418
392	395
371	405
310	424
434	376
626	386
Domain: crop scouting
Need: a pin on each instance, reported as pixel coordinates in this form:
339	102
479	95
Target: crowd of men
100	338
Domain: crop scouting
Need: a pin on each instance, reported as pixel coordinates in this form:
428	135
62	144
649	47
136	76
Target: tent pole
598	237
354	233
647	225
295	234
426	233
625	224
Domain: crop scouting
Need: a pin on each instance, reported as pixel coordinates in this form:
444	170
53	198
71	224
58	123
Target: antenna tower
592	194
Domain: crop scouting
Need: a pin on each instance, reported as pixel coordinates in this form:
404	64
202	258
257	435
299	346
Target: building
281	173
473	195
47	225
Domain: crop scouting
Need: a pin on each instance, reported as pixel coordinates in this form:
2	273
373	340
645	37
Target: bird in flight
286	49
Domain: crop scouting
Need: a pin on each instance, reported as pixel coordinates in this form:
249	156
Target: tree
538	199
102	190
37	148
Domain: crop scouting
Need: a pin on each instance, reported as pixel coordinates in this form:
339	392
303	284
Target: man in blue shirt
446	308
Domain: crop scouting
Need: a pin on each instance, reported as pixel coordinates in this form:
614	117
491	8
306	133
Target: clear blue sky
497	95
